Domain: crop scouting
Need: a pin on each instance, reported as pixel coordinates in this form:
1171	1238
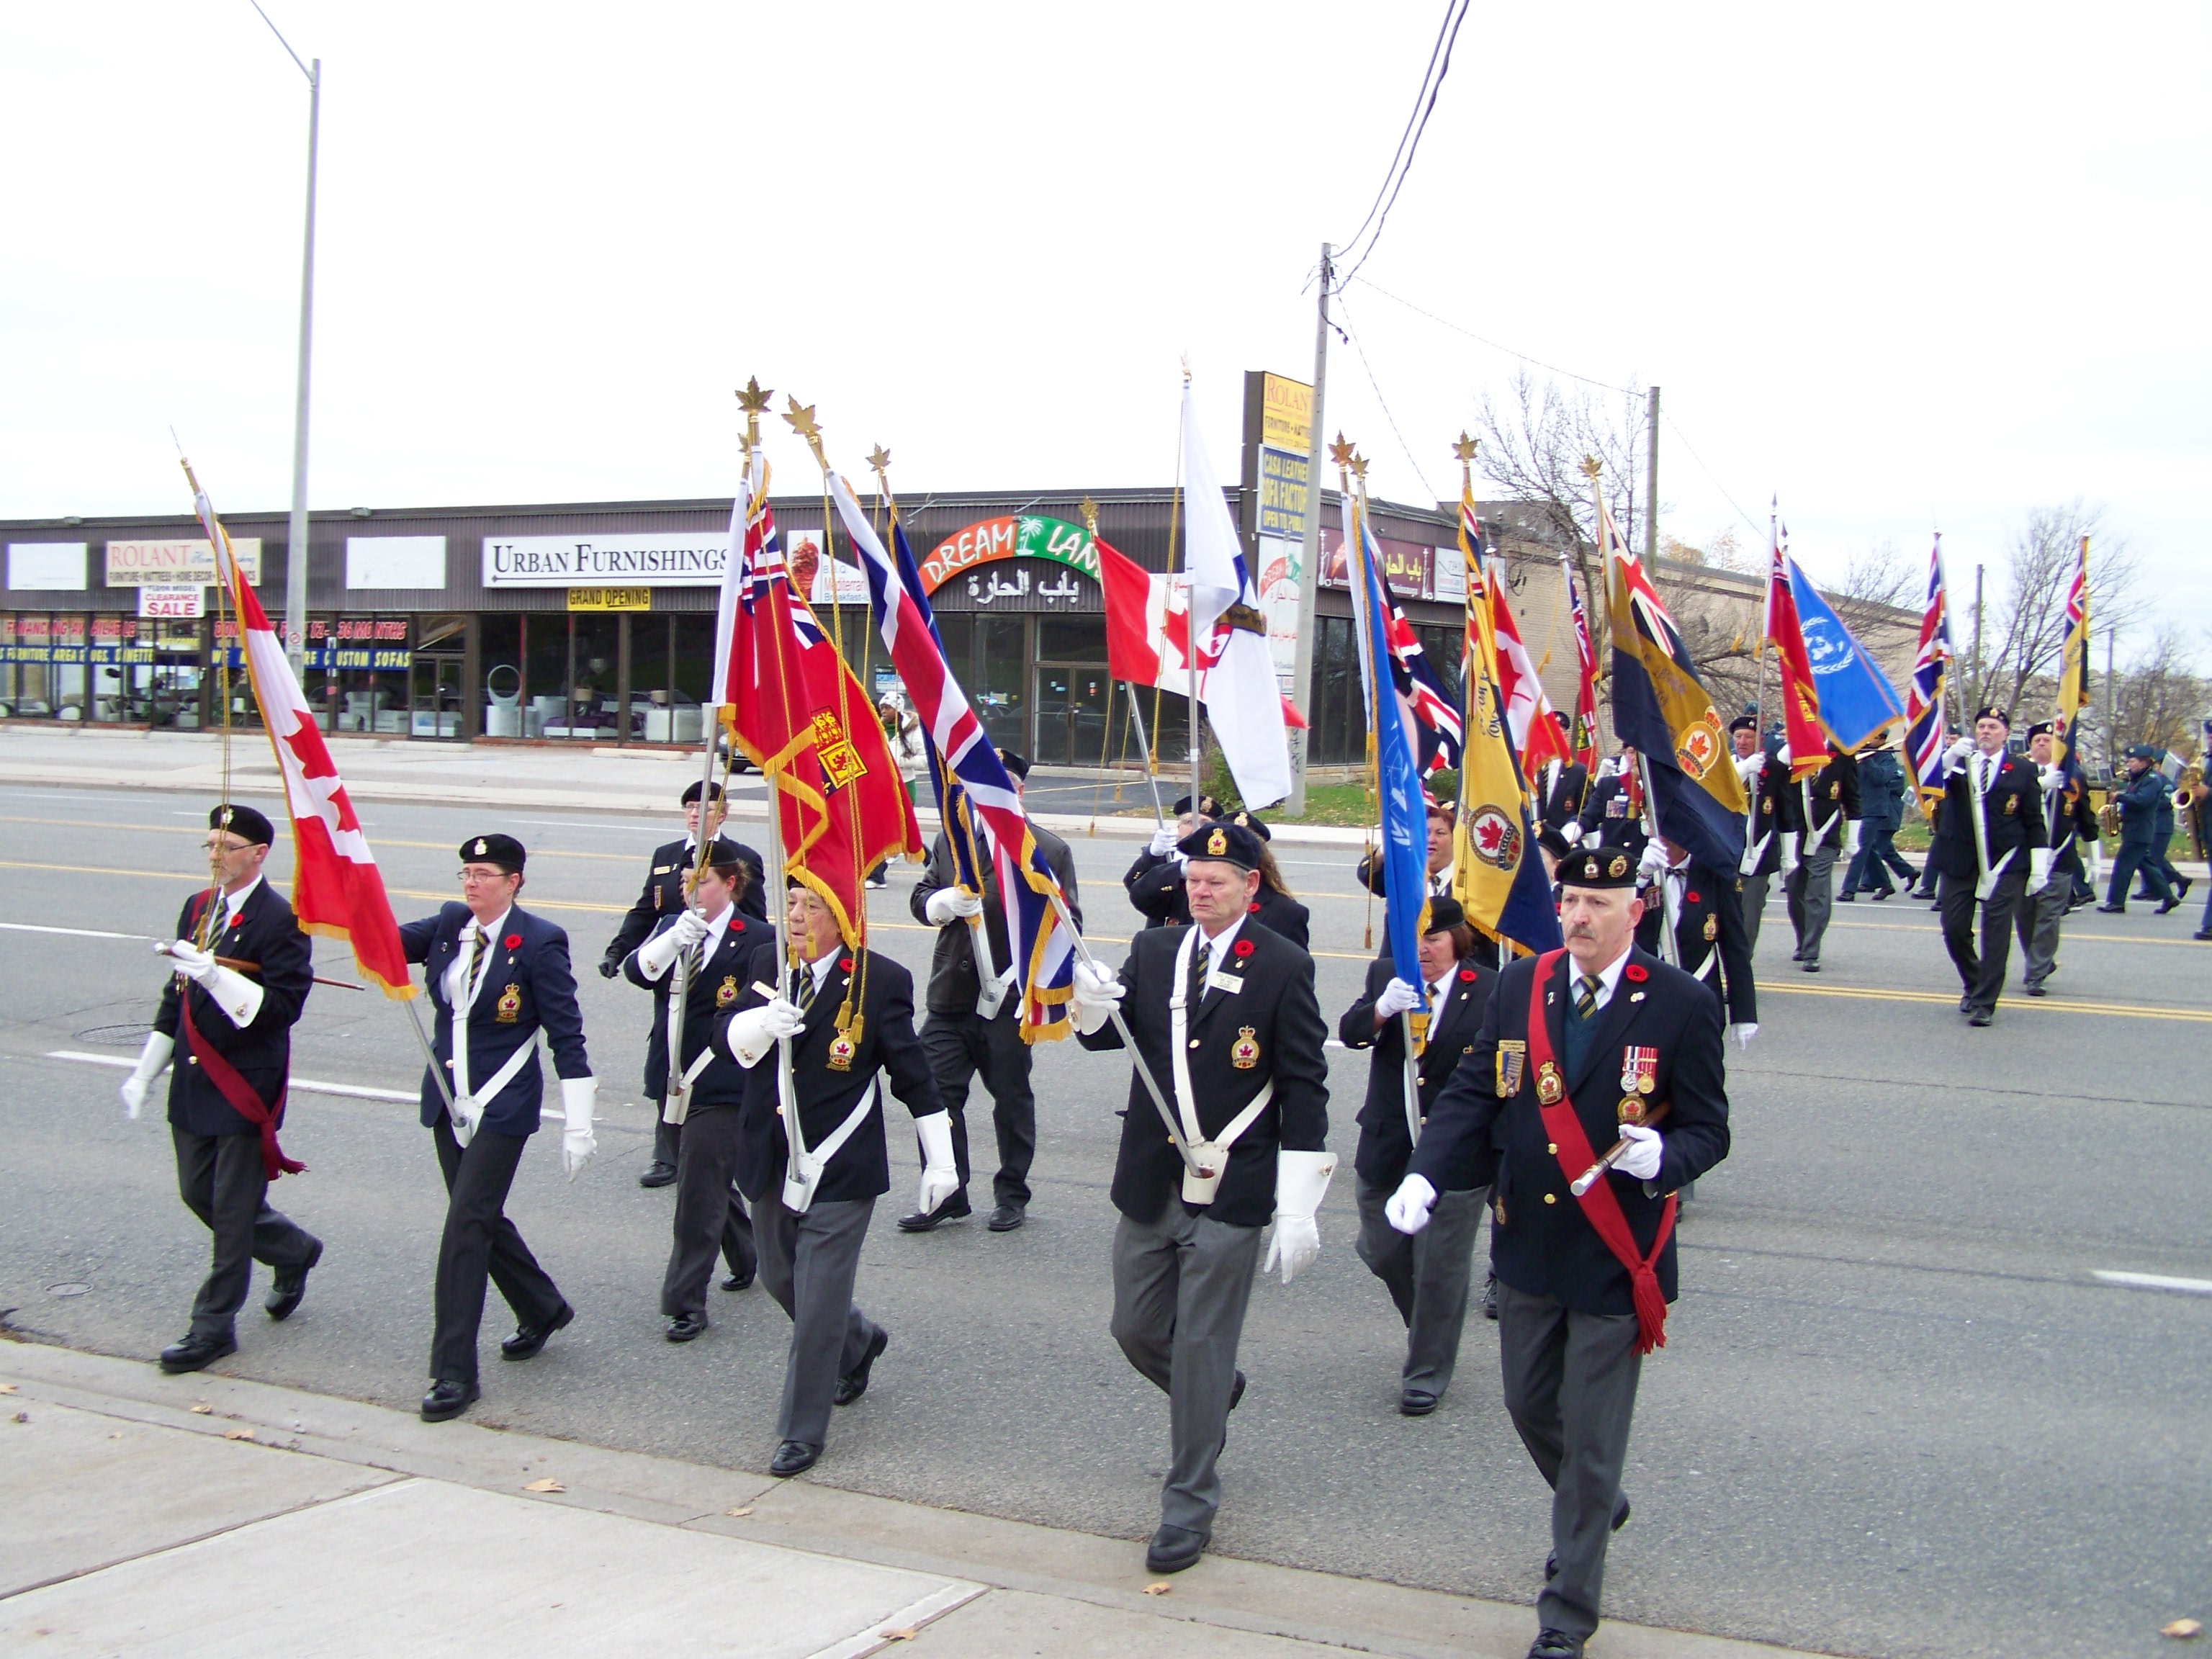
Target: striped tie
804	998
476	963
1586	989
1200	960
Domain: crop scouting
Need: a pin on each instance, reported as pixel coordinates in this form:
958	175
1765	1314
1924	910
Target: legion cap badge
1217	843
1618	867
480	848
1550	1089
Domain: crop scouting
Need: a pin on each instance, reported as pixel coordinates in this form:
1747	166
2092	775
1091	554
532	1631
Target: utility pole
1309	555
1981	686
2112	710
295	542
1652	484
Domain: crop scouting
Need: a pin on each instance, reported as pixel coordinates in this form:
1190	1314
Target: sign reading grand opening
684	560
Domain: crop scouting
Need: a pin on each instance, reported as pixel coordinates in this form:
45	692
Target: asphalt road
1899	1413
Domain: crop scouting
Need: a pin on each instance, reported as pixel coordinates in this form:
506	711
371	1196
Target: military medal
1550	1089
1245	1053
841	1053
1512	1059
1640	1068
510	1005
727	992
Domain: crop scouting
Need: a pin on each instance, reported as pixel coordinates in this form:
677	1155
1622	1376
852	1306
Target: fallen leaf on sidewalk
1161	1589
22	1417
898	1635
237	1434
545	1486
739	1514
202	1408
2182	1629
7	1388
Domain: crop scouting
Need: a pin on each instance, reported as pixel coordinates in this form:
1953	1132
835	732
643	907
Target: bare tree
2024	633
2160	697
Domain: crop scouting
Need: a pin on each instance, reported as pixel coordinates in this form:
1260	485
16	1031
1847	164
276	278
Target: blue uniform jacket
717	987
2141	803
527	986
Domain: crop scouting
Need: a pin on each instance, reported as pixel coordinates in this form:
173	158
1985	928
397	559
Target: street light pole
295	541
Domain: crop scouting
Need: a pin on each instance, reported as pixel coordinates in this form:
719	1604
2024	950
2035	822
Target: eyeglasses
223	849
476	876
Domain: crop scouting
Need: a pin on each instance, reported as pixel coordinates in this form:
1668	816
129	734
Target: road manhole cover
67	1290
120	1037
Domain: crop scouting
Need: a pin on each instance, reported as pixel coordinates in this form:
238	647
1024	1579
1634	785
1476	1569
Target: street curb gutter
1361	1614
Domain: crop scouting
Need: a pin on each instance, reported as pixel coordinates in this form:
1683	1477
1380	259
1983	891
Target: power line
1480	339
1404	448
1710	473
1409	141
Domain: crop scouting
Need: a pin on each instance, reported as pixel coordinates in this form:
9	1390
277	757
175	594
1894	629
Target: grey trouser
1754	909
479	1240
709	1211
1570	1386
1426	1275
2039	916
1980	974
1181	1285
808	1263
224	1182
1810	889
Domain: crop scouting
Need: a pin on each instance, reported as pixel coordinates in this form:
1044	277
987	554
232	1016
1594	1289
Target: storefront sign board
47	567
692	560
610	598
991	540
134	564
183	603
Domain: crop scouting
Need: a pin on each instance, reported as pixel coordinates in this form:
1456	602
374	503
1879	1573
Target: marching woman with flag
243	972
500	979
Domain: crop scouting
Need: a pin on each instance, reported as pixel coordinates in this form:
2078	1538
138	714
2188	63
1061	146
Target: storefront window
434	674
506	694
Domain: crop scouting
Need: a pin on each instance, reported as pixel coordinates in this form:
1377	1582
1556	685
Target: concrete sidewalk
204	1516
581	778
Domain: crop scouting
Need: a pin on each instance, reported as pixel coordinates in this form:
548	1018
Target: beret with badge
1225	843
1598	867
504	851
245	823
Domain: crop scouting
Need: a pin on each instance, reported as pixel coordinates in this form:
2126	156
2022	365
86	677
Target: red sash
240	1093
1601	1205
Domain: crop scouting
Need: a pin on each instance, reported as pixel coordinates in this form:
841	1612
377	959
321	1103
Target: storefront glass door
1072	703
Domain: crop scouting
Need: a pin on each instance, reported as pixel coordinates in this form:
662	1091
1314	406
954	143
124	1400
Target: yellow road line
381	840
2048	1004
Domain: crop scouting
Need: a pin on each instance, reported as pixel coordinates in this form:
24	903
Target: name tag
1231	982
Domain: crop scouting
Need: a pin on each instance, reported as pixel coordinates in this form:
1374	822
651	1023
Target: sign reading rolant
1286	414
135	565
1005	538
664	561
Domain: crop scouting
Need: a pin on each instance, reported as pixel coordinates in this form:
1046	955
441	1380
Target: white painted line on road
307	1085
2156	1282
74	932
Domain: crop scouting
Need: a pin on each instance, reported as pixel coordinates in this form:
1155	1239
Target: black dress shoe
2182	891
854	1382
684	1326
1847	898
291	1284
1416	1402
1554	1644
738	1282
793	1457
1490	1298
1966	1003
1885	893
1809	964
1006	1218
1980	1017
196	1352
2112	910
447	1399
2171	905
2036	990
2201	932
658	1175
923	1221
529	1339
1174	1548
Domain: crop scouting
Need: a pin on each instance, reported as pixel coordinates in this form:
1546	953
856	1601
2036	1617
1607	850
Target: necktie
805	988
475	962
1200	959
1586	989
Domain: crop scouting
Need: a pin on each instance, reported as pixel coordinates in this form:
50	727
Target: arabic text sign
991	540
134	564
685	560
1028	583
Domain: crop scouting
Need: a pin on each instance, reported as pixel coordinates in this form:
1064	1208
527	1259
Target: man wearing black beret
1991	846
243	969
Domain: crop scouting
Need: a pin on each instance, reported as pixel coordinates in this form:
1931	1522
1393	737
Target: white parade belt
803	1174
1212	1156
467	1106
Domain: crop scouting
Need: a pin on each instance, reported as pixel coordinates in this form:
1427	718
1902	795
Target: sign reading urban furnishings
692	560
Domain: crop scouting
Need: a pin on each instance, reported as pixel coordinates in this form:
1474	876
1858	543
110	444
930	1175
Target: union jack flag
974	792
1437	732
1924	736
1582	737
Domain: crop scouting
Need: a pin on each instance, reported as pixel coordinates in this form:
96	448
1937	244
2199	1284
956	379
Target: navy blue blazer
716	988
265	934
527	986
1384	1144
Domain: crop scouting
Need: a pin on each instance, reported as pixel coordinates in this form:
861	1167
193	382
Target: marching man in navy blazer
1583	1277
848	1018
501	980
1427	1275
234	998
719	944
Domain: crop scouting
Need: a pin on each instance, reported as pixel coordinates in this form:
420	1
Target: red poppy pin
1241	949
1637	974
1691	895
1467	975
1253	908
844	964
513	941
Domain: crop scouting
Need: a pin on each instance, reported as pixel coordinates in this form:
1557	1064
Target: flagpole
1189	595
1136	714
430	1055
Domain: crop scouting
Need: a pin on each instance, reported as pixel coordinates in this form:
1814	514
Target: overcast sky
1909	267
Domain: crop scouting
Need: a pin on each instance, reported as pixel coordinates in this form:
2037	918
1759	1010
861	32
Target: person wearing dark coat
845	1018
2161	843
1158	908
2065	820
665	894
710	948
1583	1281
1612	812
1222	1014
1989	849
973	1028
1765	786
1824	817
1710	944
2140	798
1160	894
1882	813
1428	1274
1562	785
499	977
242	972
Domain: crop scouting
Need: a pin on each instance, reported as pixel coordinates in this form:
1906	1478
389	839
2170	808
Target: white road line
74	932
308	1085
2156	1282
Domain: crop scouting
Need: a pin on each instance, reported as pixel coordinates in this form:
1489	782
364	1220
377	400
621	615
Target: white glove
690	927
1163	842
1745	1032
657	954
151	1058
1094	996
1790	851
1752	766
193	964
1398	998
2039	868
1641	1161
950	904
238	996
752	1032
1955	756
1571	833
1407	1209
2049	778
1782	755
1653	864
1850	838
940	1175
577	1142
1301	1181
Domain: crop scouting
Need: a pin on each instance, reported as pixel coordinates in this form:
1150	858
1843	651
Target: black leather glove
609	967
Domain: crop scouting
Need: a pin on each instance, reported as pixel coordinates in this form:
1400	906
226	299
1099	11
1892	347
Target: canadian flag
336	889
1536	736
1148	630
